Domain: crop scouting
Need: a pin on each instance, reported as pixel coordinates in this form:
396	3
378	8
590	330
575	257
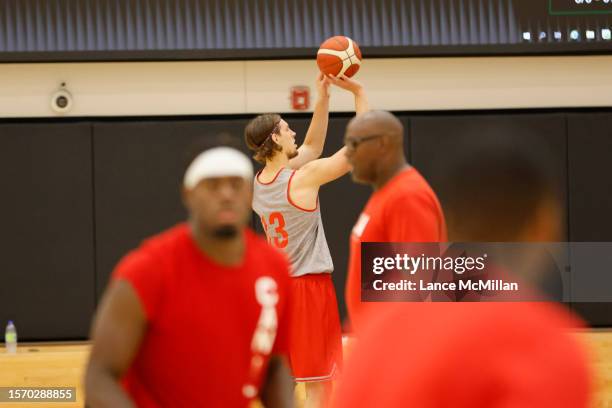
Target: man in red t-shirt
196	316
498	355
403	207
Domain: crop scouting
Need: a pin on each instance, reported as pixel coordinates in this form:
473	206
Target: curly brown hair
258	136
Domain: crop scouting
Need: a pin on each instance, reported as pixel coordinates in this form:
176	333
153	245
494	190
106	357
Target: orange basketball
339	55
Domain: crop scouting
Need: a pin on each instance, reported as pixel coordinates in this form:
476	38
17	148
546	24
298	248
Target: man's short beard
225	232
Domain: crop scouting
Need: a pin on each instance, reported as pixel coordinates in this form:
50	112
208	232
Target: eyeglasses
353	143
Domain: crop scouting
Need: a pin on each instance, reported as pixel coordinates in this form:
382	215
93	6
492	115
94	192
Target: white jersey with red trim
295	230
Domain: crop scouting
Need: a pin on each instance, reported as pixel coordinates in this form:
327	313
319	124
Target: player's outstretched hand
322	82
347	83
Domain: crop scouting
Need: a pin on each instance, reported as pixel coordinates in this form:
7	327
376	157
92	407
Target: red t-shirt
498	355
405	209
199	347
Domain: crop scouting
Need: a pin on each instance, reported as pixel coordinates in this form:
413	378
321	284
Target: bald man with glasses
403	207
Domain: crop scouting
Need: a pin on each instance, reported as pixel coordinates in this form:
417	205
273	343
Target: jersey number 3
277	223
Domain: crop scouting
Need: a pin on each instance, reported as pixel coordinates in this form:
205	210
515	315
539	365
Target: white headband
218	162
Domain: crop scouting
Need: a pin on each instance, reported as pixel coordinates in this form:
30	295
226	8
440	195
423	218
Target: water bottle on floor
10	338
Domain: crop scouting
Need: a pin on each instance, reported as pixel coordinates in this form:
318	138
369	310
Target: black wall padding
438	139
47	262
77	196
590	176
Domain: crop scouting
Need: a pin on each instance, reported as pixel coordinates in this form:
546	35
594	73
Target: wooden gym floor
62	365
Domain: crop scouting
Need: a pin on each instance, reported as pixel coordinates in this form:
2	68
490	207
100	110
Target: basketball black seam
339	62
348	57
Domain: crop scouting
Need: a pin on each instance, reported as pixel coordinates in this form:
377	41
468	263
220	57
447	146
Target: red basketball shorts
315	338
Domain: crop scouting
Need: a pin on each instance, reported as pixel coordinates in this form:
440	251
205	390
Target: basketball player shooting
286	200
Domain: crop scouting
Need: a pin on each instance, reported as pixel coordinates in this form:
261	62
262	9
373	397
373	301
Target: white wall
182	88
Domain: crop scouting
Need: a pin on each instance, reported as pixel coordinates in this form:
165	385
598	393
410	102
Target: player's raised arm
356	88
322	171
312	147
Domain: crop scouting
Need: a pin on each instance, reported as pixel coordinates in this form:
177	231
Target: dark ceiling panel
76	30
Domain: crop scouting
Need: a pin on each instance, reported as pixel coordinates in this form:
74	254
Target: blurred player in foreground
286	200
196	316
510	355
403	207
